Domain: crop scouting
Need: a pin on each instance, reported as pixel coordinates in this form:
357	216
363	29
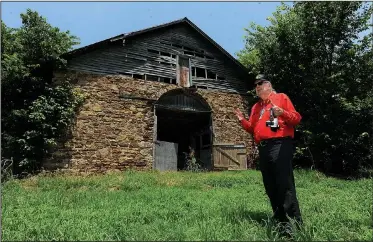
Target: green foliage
321	55
191	162
35	111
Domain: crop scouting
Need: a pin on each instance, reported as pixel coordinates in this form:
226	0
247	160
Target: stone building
154	95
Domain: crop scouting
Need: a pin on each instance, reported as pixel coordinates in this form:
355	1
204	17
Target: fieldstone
143	144
103	152
122	136
114	88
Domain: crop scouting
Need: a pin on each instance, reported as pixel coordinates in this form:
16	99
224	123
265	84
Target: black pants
276	157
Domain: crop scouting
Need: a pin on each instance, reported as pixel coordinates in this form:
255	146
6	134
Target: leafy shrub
320	55
35	112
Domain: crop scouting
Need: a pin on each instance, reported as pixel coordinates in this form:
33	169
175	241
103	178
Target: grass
179	206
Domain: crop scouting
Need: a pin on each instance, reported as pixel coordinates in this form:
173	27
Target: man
275	146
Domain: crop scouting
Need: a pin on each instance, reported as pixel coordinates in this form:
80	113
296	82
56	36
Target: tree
35	111
317	54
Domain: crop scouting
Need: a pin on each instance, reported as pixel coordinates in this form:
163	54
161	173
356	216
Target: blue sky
94	21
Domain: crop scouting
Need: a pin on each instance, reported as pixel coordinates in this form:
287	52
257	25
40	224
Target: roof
136	33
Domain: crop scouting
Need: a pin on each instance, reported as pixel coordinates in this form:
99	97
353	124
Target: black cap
261	77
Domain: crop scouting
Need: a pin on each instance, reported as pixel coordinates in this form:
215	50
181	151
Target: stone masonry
115	133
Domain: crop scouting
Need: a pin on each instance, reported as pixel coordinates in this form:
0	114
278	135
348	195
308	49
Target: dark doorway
183	122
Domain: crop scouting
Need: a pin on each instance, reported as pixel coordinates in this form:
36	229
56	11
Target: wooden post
154	135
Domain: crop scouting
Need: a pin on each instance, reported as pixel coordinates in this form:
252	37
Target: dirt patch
170	182
83	188
115	188
30	184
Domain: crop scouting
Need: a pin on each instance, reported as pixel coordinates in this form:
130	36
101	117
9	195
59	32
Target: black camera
273	121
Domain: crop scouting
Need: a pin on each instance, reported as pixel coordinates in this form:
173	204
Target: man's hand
277	111
239	114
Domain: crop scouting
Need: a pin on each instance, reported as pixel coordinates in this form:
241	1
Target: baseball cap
261	77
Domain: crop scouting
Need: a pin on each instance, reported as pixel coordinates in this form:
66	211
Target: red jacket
287	120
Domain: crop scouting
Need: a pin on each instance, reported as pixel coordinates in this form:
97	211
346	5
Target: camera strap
263	104
261	113
272	116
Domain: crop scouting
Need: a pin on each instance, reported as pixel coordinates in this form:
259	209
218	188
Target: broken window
153	51
200	72
173	81
199	55
165	80
138	76
151	78
193	71
125	74
165	54
221	78
211	75
183	61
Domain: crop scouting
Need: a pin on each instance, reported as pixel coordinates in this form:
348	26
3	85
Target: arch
182	126
183	100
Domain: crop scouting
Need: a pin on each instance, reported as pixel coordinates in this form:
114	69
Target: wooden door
183	71
165	156
229	157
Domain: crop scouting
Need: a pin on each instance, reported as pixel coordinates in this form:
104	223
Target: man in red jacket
272	120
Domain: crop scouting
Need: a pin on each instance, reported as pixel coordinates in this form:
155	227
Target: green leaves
35	111
318	54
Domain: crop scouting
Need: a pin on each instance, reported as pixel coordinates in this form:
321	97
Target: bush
35	111
320	56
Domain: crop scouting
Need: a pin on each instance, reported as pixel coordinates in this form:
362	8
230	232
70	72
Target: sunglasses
260	83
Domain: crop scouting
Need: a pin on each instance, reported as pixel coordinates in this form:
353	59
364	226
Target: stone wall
114	130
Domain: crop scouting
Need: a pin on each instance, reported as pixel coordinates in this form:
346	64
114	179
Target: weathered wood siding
152	56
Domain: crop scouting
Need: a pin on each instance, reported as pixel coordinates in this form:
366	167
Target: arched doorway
182	123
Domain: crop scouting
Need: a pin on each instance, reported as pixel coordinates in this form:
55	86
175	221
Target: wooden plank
230	145
227	155
131	67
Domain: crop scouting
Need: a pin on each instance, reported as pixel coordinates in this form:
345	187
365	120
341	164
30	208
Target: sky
224	22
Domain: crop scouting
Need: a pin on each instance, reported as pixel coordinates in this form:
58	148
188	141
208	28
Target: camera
273	121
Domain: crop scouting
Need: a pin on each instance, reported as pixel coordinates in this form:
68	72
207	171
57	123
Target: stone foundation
114	129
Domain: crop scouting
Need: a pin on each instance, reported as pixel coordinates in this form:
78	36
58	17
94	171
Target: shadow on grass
238	216
272	229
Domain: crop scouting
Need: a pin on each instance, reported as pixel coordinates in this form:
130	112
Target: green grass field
133	205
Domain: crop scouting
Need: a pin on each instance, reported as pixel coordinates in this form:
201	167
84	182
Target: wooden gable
177	54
